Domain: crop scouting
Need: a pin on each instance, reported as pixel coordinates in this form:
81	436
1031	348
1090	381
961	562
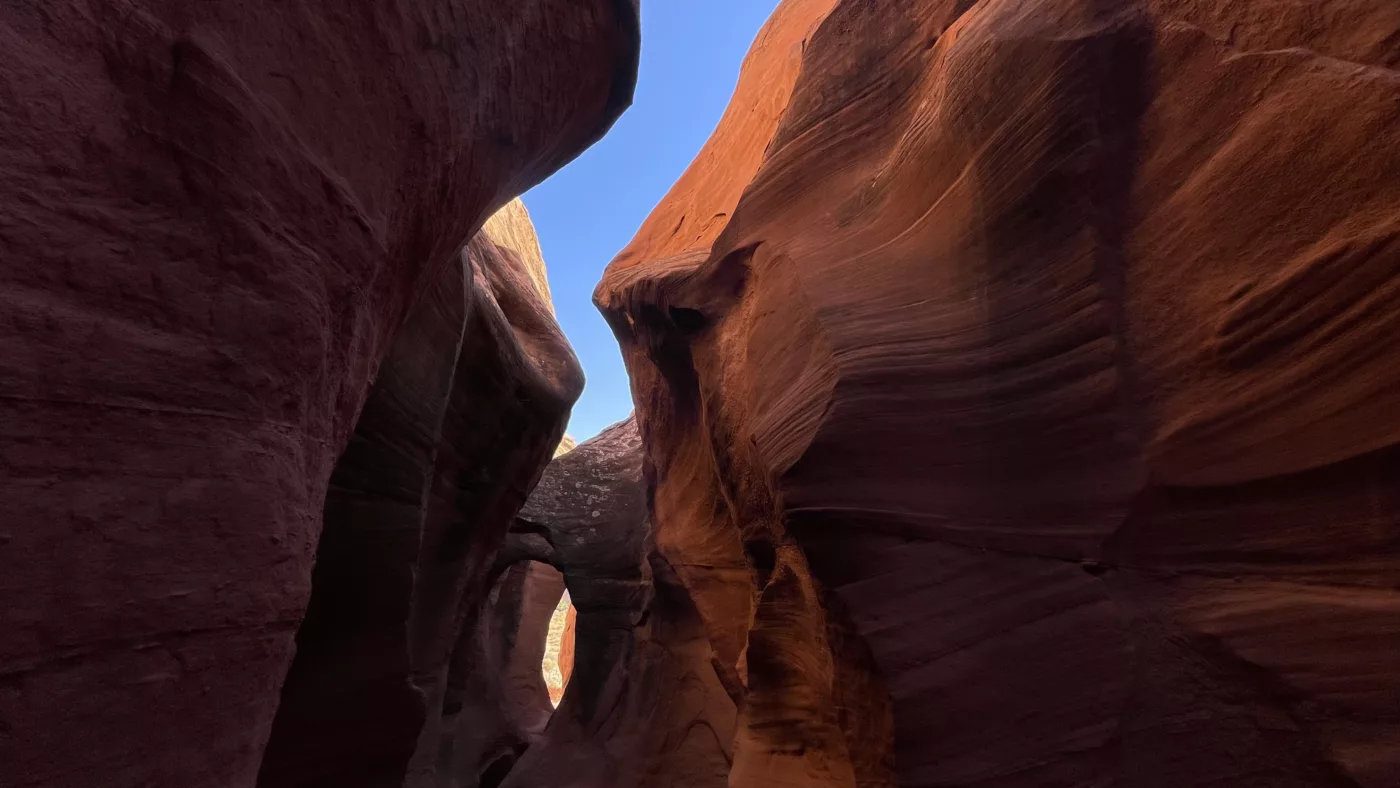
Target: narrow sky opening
588	211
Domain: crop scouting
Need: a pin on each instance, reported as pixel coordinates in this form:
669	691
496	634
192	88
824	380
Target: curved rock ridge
1022	410
510	229
697	207
231	241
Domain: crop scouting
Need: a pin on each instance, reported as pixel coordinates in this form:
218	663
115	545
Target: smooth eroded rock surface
1034	367
214	220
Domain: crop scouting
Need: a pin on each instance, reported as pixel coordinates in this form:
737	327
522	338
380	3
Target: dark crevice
689	321
499	769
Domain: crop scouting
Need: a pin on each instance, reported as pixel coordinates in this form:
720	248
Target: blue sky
589	210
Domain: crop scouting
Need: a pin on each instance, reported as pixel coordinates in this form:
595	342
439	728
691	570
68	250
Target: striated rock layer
215	220
1019	382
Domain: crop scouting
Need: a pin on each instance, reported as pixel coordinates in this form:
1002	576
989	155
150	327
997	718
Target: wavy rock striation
1019	383
217	220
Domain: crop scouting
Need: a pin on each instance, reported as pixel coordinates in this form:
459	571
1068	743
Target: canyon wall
1019	388
232	240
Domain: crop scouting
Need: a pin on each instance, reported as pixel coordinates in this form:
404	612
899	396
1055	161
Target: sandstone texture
1019	388
232	242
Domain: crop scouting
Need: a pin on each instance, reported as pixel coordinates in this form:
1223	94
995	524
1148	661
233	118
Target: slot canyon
1015	393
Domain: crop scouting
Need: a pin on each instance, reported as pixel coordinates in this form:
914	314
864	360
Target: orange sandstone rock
1018	386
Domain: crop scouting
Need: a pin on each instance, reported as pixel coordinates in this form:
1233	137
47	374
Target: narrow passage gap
558	659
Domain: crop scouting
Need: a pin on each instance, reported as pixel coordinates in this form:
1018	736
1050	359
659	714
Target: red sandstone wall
214	219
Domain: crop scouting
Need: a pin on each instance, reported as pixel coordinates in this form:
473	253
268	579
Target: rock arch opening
497	703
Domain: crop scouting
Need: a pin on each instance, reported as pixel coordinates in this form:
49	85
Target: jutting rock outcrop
1019	385
231	238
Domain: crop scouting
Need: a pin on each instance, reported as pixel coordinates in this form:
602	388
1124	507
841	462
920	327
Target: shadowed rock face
417	508
216	219
1018	387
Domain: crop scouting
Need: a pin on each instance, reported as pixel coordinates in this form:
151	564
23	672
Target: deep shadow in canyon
1016	384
